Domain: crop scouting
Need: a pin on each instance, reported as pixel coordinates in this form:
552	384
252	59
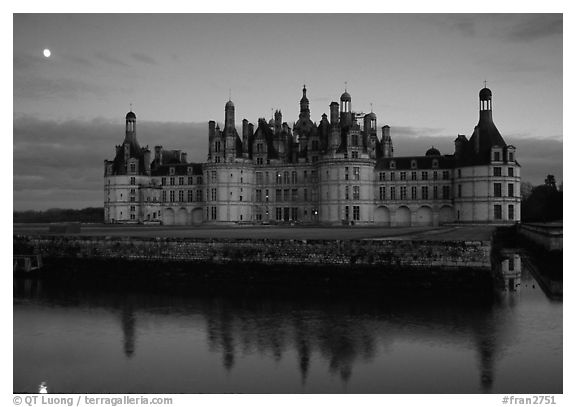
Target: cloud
77	60
60	164
143	58
110	59
30	86
536	27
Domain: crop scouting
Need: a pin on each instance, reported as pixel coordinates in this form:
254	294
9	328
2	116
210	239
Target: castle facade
337	172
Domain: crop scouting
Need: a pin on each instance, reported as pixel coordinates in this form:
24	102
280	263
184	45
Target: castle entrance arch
168	216
424	216
403	216
446	214
182	217
382	216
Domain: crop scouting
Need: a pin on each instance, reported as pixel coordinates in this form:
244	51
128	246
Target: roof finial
130	106
229	94
484	82
345	86
371	109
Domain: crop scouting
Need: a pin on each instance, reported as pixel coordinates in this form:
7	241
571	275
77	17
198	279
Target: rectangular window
346	174
511	190
213	194
132	216
392	176
393	193
435	175
199	180
294	195
403	176
354	154
132	199
213	213
446	192
172	196
314	145
347	213
213	176
259	178
435	196
414	194
413	175
132	180
497	171
510	156
305	194
510	171
278	195
459	173
382	193
259	161
181	196
190	195
278	214
180	180
198	195
163	196
346	192
305	175
190	180
294	177
382	176
496	155
511	212
356	192
425	175
132	209
497	189
163	180
445	175
267	195
424	192
132	167
402	193
172	181
497	211
286	177
258	195
294	213
356	212
356	173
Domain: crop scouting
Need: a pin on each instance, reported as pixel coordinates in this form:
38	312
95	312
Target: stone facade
339	171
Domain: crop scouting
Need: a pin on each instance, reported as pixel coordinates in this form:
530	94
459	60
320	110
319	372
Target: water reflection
332	335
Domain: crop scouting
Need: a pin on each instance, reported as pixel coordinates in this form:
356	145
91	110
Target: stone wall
397	253
549	236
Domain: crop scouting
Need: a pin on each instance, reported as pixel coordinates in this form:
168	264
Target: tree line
86	215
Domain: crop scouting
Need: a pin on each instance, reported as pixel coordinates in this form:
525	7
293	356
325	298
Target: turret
130	127
345	110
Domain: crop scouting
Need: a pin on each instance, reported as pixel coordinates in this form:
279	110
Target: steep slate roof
179	169
264	132
422	163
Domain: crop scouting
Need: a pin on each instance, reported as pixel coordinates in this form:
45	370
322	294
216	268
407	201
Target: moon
47	53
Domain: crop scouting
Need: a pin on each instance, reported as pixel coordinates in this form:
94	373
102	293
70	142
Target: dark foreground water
112	341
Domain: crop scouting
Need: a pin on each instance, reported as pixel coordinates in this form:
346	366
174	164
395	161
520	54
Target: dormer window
189	170
510	156
434	163
497	156
393	165
413	164
172	170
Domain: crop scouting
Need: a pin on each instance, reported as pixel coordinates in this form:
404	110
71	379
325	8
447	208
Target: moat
82	338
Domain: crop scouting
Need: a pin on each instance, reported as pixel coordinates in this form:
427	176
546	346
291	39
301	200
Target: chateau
339	171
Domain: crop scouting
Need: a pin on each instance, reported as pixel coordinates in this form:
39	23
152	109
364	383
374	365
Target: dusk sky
421	72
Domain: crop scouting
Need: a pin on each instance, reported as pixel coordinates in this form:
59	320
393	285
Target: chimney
147	155
158	154
334	108
184	157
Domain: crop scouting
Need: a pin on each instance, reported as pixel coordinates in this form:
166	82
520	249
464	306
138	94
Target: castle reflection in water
333	331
